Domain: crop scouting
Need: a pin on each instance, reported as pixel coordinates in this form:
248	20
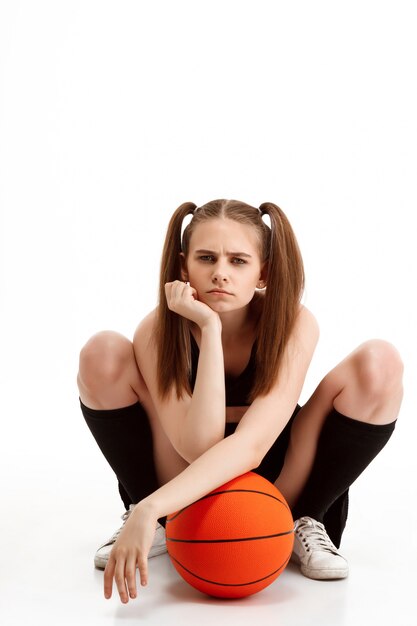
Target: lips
220	291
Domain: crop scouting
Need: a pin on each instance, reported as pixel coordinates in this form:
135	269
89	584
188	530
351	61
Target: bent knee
104	359
379	367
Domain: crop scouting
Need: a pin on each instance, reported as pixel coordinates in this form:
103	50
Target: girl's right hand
183	299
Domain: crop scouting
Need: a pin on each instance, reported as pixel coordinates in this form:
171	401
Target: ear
263	276
184	272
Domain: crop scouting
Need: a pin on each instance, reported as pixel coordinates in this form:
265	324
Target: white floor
59	501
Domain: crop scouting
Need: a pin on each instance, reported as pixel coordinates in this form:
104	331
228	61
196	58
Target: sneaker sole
324	574
315	574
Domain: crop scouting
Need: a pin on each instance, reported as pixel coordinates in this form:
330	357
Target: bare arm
204	422
229	458
194	423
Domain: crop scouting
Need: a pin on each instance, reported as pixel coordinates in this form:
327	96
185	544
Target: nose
219	279
219	274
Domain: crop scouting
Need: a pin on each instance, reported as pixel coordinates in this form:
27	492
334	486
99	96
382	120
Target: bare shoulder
307	321
306	329
144	329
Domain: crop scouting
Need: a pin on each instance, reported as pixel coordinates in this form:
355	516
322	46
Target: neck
237	324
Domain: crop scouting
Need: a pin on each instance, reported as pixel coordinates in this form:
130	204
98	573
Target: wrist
212	324
148	507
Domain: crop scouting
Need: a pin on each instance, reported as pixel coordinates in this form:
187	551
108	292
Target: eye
208	258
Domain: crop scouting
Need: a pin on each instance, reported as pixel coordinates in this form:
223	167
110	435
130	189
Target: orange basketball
234	541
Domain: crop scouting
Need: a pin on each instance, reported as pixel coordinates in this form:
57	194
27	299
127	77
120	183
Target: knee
379	368
103	360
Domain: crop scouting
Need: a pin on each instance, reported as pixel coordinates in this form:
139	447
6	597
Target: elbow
256	460
194	449
191	454
247	452
255	455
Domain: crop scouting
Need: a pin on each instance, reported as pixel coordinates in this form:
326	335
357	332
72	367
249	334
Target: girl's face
224	254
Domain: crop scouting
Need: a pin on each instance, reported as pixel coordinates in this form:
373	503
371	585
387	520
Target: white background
111	115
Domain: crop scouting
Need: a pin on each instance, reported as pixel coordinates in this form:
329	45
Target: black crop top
237	387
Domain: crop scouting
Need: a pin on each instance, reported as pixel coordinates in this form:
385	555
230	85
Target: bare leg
109	378
365	386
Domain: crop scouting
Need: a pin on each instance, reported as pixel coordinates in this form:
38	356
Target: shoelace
314	535
124	517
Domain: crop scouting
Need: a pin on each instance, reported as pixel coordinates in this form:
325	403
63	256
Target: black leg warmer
125	438
345	448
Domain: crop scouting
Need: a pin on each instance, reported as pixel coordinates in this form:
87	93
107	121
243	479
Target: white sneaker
158	547
315	552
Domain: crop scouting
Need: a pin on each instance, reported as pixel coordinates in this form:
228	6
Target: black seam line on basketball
213	582
288	532
217	493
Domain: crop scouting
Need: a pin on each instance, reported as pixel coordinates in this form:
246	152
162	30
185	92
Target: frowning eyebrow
244	254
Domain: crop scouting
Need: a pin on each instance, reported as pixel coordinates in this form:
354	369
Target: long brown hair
285	284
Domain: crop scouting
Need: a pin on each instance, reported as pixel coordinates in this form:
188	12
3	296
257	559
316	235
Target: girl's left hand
130	551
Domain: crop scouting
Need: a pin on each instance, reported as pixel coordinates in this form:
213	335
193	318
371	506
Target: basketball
235	541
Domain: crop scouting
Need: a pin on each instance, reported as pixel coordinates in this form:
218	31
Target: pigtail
171	330
285	285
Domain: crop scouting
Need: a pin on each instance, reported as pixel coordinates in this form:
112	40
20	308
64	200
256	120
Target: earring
261	284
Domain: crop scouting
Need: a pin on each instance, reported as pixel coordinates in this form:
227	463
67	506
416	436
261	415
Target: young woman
208	390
